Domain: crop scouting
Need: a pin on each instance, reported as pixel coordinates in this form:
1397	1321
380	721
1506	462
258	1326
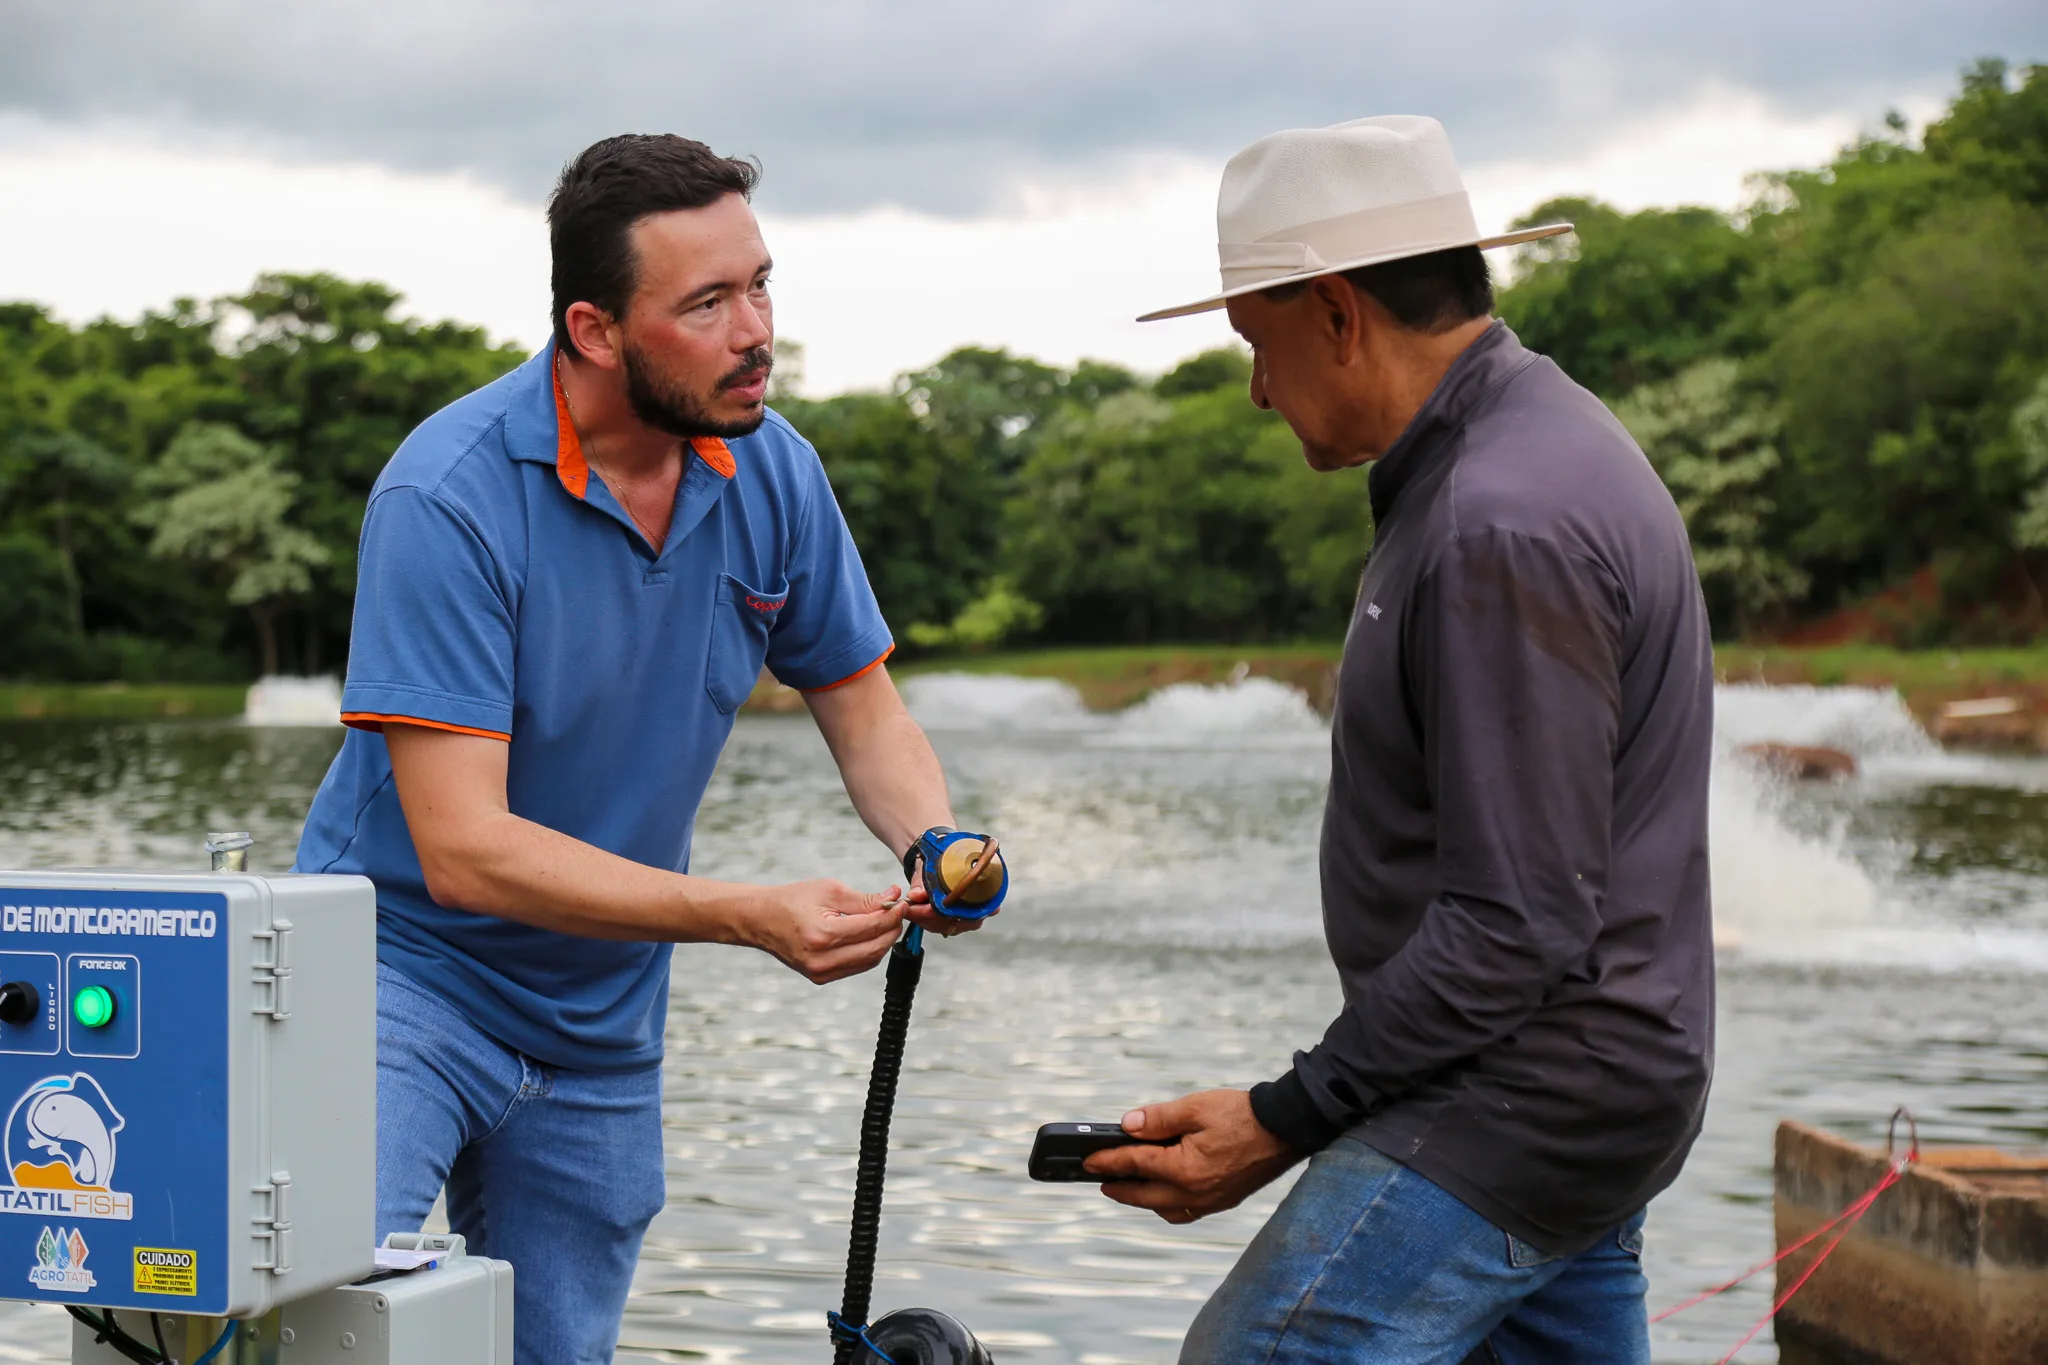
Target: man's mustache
752	366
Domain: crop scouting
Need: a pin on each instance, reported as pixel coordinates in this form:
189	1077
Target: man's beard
665	407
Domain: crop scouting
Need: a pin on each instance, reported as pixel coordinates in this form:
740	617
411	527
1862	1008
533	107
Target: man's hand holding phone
1061	1151
1219	1156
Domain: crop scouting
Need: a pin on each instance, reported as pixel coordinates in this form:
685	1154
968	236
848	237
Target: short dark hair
1428	293
613	185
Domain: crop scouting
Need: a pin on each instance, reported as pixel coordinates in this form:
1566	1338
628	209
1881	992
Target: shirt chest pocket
740	623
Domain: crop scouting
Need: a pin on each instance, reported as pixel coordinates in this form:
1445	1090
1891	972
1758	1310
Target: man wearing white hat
1514	850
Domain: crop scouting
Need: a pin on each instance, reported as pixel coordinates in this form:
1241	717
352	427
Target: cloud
943	107
869	292
937	174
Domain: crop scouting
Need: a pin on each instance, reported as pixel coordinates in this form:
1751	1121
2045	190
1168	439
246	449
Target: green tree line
180	496
1845	386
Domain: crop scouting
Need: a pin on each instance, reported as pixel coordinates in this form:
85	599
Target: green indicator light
93	1007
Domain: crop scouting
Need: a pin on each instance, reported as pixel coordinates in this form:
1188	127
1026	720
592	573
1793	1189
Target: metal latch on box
272	970
273	1224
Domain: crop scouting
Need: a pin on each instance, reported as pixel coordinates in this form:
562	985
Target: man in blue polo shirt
569	581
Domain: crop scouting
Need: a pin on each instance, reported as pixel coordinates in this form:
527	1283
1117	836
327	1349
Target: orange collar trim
570	466
715	453
574	470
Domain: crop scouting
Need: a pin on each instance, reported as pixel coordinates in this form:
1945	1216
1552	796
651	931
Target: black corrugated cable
109	1333
906	963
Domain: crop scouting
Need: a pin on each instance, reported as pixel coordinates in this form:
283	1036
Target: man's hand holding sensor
825	930
1221	1157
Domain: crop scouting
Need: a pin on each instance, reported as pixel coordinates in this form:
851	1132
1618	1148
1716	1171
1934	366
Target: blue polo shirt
502	591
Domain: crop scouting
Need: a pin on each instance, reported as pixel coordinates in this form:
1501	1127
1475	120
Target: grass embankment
1111	678
119	701
1926	679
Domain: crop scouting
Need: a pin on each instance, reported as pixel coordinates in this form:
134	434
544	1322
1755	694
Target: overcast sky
1023	175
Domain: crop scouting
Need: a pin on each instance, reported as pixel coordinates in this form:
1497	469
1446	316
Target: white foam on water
1242	712
1776	890
1247	711
971	701
1938	951
1783	891
1786	895
1871	725
293	701
1865	722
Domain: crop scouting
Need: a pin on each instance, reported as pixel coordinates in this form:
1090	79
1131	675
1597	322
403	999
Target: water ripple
1164	937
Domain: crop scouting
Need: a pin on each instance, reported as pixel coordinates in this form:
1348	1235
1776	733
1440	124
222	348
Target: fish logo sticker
59	1151
60	1262
68	1124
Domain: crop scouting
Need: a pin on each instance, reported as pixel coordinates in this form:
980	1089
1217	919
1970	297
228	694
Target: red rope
1858	1209
1845	1220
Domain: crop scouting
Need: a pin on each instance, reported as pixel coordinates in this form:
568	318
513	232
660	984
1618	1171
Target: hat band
1385	233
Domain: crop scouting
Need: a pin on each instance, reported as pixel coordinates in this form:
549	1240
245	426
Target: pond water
1886	943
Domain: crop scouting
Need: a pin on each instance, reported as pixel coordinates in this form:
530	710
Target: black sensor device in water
967	879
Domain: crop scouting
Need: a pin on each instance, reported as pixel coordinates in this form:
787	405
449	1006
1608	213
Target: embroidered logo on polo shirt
767	606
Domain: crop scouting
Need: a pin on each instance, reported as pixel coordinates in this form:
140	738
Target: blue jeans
558	1172
1367	1261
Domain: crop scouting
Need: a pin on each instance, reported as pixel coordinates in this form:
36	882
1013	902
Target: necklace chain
590	458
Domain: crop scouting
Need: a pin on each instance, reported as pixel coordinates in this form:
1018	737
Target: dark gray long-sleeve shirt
1514	851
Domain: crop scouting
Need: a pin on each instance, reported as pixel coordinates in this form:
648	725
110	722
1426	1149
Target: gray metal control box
188	1082
459	1312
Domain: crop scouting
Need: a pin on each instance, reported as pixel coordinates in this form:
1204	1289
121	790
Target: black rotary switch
20	1003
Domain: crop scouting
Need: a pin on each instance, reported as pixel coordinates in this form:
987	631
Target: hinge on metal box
273	1224
272	970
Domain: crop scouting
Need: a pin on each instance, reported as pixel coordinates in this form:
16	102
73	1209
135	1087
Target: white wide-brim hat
1315	201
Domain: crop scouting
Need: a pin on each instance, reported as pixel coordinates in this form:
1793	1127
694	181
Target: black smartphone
1062	1147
